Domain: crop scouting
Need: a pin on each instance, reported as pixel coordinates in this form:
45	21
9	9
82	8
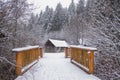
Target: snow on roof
83	47
58	43
25	48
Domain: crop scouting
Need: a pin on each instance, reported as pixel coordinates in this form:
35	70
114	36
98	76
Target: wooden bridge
31	64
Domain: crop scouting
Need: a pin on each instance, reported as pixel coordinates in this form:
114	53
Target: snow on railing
26	57
24	48
84	47
83	57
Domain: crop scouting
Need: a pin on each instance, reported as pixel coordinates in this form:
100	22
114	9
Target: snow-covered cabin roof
58	43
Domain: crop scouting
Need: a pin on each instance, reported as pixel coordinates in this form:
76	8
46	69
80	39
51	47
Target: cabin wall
50	48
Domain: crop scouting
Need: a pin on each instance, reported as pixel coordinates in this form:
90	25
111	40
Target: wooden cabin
54	46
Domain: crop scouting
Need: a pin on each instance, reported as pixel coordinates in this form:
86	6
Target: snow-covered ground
53	66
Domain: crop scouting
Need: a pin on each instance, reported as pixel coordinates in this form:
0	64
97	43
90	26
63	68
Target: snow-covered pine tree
72	8
59	18
80	6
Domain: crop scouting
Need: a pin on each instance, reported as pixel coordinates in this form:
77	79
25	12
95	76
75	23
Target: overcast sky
41	4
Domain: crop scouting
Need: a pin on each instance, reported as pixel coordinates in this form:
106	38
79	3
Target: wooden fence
83	57
26	57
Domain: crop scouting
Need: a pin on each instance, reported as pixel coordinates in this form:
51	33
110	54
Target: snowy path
55	67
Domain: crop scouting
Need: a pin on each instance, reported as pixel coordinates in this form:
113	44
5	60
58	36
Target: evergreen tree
71	9
59	18
89	4
46	17
40	18
80	6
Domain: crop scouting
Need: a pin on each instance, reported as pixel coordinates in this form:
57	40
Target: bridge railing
83	57
26	57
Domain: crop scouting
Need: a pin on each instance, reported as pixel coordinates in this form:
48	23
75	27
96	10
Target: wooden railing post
41	52
91	62
66	52
18	63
